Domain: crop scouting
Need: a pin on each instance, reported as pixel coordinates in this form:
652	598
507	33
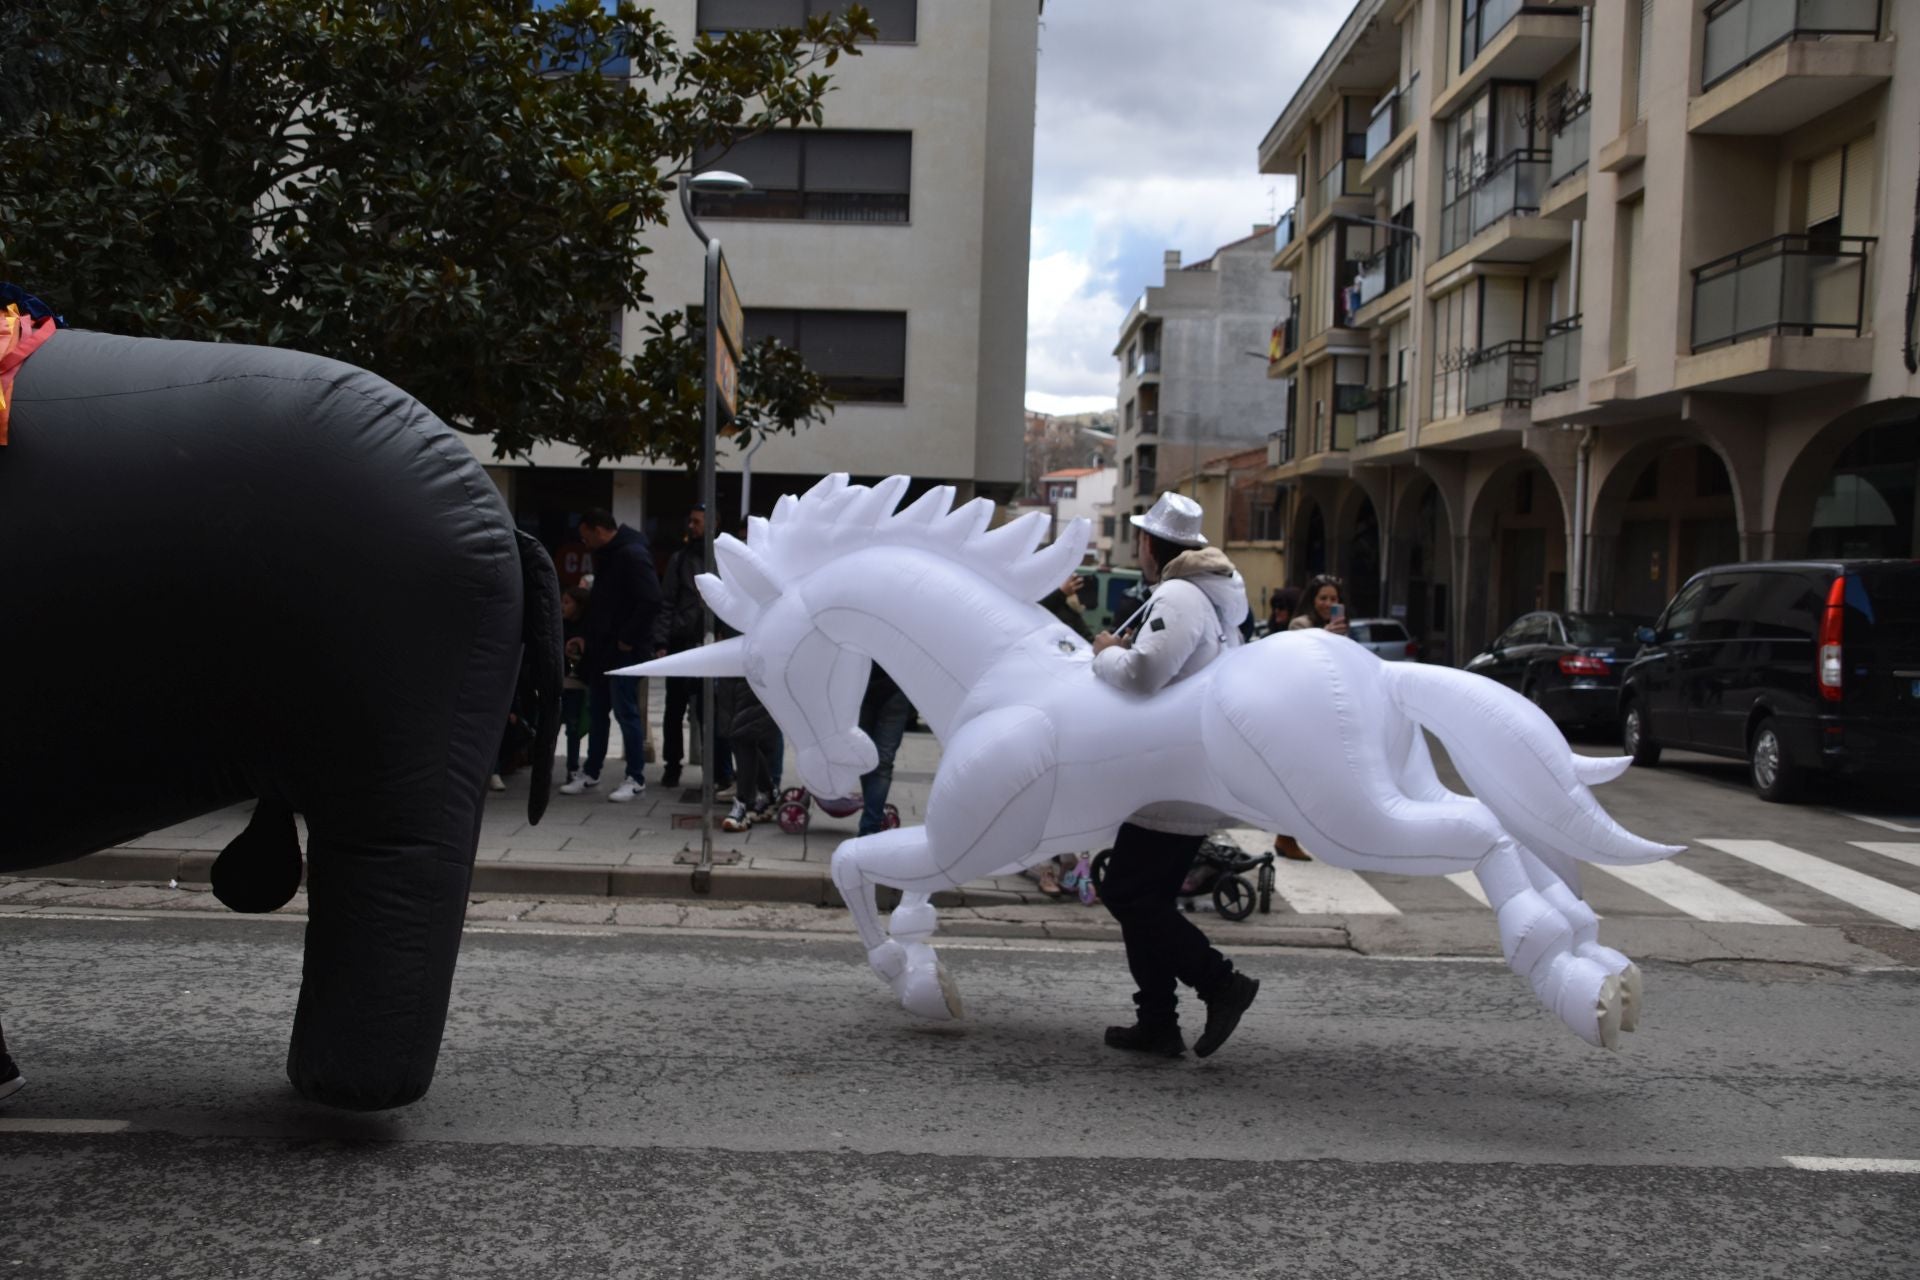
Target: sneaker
765	813
1161	1041
737	819
670	778
1223	1013
629	789
724	791
580	782
11	1080
496	783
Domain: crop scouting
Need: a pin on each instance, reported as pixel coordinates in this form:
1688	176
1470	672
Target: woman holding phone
1321	607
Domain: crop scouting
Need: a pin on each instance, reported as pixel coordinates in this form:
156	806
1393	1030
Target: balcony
1290	333
1338	434
1507	40
1571	142
1390	119
1280	447
1283	229
1343	179
1150	422
1384	415
1502	375
1770	66
1498	217
1146	481
1288	241
1560	355
1146	362
1788	312
1384	272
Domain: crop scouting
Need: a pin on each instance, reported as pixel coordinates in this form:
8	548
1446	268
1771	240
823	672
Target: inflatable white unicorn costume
1302	732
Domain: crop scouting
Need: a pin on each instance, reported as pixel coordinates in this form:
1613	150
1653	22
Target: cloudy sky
1148	118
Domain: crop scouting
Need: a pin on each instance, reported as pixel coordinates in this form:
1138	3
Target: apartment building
1597	295
1192	386
889	247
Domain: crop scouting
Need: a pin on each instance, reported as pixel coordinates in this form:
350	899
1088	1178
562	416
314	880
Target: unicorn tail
1518	764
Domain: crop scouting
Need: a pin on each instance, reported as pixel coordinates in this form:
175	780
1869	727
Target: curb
550	879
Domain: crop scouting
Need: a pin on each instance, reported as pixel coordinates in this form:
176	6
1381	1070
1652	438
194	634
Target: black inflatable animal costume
232	573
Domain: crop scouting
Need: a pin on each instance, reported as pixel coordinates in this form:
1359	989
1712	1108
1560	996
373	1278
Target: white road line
1694	894
1907	853
1852	1164
1877	897
1316	888
1880	822
1469	884
24	1125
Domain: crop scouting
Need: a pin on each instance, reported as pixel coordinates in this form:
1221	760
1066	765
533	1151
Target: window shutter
868	162
1823	187
1857	194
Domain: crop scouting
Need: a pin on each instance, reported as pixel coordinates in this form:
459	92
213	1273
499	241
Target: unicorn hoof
1588	1002
1607	1012
926	990
1630	997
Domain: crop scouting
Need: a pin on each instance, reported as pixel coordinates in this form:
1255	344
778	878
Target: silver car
1387	637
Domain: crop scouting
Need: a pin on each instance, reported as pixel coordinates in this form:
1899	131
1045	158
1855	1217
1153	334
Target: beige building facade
1596	295
890	246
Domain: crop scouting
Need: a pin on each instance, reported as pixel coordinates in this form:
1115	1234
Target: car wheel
1775	777
1635	740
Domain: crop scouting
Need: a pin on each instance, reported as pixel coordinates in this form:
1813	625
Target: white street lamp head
719	182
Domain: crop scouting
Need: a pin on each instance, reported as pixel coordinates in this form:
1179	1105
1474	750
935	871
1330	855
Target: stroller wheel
793	816
891	820
1233	897
1266	886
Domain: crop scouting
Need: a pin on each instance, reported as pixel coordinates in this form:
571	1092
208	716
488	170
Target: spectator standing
1280	608
618	633
574	602
884	713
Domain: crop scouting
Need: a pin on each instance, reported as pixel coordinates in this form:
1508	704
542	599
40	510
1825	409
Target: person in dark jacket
1064	604
678	628
618	633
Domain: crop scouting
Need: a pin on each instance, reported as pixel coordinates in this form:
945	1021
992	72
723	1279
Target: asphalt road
658	1103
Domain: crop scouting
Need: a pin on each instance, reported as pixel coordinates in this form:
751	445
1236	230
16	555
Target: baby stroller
794	813
1221	868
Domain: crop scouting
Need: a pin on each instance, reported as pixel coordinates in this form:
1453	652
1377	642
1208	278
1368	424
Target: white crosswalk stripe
1469	884
1877	897
1317	888
1692	894
1907	853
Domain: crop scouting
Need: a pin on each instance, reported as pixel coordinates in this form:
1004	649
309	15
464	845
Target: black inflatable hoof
260	870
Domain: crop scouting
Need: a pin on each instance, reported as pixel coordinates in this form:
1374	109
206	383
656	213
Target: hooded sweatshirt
1191	617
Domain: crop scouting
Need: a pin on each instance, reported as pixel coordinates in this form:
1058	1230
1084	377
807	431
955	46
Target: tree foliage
452	193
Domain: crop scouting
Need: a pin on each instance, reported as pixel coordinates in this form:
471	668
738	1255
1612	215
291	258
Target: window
1684	611
860	355
1628	224
1840	192
897	19
1730	600
1106	526
1788	606
815	175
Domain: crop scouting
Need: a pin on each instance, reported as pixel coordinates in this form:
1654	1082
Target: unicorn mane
835	518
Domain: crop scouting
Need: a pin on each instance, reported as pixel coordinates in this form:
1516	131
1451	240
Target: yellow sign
726	380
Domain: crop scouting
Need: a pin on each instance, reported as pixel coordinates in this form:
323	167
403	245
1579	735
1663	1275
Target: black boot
671	776
1223	1012
1161	1039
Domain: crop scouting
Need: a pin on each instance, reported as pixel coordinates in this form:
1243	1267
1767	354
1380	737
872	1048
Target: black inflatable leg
383	934
260	870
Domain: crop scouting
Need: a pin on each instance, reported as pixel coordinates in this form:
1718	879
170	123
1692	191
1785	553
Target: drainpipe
1582	466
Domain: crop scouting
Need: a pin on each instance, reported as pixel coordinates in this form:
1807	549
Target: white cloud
1147	123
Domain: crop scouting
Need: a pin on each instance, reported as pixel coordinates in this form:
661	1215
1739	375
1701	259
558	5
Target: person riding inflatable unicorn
1041	758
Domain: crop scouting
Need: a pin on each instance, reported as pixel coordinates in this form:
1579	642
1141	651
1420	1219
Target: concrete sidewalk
589	846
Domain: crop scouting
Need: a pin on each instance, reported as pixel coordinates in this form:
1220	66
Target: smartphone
1338	611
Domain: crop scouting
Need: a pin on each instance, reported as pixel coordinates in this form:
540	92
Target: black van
1794	666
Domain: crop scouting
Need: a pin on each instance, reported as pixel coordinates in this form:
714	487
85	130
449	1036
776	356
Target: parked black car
1568	663
1797	667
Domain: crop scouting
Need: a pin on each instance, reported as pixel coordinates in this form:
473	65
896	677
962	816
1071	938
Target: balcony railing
1505	374
1146	362
1150	422
1394	113
1147	481
1283	231
1343	178
1796	284
1385	271
1560	355
1738	31
1512	185
1568	148
1290	331
1384	415
1280	447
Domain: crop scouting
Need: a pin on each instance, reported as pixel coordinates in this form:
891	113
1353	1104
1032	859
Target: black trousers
683	702
1164	947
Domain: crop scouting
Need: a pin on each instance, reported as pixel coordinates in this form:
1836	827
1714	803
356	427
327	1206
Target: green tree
452	193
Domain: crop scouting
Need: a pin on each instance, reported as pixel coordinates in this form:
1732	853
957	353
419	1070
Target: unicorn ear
723	658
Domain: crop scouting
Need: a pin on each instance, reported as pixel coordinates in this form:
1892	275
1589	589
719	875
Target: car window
1728	603
1883	604
1386	632
1590	629
1532	629
1787	606
1678	621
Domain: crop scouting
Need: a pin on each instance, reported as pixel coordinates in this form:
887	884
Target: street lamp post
720	182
